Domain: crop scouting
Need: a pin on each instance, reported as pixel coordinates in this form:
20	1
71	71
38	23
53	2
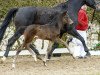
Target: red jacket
83	20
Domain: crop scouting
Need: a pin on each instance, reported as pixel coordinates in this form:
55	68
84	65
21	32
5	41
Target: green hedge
5	5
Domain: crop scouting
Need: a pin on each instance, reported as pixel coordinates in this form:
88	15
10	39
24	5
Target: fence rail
59	50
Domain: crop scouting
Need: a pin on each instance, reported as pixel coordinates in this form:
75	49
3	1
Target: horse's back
34	15
25	16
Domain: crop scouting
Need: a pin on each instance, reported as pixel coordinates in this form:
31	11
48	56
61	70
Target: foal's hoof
39	57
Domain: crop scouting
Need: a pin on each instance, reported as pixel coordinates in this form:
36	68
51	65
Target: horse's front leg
48	50
78	36
36	52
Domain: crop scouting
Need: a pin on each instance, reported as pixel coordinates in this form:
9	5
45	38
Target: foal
50	31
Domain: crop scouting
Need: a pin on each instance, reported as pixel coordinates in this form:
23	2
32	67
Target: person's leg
79	51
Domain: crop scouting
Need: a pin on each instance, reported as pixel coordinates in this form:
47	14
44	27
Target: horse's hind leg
12	40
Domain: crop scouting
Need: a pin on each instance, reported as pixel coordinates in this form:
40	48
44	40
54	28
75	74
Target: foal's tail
6	21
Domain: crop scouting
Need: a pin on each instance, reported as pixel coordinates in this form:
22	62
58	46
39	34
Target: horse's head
95	4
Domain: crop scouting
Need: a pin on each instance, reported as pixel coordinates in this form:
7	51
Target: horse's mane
61	5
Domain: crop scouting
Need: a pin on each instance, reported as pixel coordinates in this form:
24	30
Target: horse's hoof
88	54
3	59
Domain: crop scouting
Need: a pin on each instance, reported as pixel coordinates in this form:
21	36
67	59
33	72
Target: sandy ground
64	65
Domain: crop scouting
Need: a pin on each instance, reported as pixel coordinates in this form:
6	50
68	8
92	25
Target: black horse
37	15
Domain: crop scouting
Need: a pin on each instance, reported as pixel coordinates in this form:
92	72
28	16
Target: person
78	50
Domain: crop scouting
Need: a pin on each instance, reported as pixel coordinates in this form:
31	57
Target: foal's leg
55	45
31	51
48	50
36	52
64	43
15	57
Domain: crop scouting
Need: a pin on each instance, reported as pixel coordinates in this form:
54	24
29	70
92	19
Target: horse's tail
6	21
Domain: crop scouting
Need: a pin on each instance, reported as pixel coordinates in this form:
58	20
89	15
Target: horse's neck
74	7
75	4
61	7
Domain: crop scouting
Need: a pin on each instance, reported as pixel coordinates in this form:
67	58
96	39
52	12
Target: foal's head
65	18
